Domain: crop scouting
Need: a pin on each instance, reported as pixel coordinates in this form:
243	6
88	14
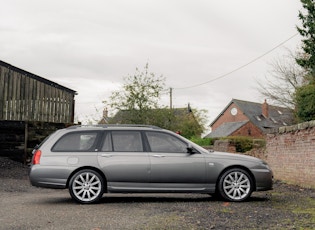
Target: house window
273	120
249	132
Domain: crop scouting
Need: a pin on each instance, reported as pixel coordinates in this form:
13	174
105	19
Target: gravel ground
25	207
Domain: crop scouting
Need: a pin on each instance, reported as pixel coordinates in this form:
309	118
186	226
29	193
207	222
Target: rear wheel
235	185
86	186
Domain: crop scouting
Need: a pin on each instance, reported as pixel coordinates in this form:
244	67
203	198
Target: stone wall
224	146
291	154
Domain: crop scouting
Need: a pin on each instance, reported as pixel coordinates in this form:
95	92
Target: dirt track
26	207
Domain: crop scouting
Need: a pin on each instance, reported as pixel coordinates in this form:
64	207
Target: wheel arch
233	167
91	168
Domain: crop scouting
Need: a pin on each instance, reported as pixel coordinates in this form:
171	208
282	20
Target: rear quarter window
76	142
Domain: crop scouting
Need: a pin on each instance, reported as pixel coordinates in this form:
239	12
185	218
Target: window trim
93	148
165	133
110	132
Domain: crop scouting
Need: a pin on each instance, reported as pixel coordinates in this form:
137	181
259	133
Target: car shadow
169	198
153	198
150	198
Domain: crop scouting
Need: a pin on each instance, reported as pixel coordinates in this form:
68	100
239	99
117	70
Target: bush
259	143
202	141
242	144
305	102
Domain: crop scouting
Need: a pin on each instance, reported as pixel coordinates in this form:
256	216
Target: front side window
76	142
164	142
127	141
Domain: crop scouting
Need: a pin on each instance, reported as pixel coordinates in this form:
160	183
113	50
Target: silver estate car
92	160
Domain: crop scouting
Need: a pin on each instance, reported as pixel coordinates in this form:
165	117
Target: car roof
114	127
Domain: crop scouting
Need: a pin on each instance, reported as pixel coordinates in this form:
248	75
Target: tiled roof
226	129
277	116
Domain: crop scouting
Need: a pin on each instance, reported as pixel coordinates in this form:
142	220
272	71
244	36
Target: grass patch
300	209
169	221
308	209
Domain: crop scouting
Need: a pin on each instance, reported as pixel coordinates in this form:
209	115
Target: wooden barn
31	107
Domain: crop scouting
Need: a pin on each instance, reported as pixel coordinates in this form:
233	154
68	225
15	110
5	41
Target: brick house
244	118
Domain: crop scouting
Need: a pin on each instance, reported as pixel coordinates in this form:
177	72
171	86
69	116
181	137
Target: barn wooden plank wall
27	97
18	138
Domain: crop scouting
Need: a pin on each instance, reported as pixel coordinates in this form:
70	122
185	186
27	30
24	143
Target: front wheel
235	185
86	186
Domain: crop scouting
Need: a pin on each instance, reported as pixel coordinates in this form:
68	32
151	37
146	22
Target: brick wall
224	146
228	117
249	129
291	154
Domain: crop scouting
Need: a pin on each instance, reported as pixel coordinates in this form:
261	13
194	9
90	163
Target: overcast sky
90	46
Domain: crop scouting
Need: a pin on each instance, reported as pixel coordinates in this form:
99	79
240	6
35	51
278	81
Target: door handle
106	155
158	155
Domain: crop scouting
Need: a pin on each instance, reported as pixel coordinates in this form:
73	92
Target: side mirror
191	150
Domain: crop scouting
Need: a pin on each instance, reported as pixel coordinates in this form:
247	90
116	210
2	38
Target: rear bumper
48	177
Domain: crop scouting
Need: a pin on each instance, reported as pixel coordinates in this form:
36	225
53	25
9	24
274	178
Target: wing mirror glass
191	149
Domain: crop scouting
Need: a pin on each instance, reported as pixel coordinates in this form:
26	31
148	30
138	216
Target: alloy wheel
86	186
236	185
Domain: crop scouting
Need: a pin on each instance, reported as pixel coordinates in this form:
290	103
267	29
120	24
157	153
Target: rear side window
76	142
126	141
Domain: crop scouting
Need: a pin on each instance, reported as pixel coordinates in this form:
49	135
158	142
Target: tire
235	185
86	186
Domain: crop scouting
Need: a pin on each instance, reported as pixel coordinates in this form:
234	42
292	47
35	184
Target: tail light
36	157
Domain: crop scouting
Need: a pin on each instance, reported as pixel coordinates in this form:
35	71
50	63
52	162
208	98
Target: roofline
220	114
243	124
235	101
36	77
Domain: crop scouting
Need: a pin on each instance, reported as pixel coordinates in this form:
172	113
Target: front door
171	164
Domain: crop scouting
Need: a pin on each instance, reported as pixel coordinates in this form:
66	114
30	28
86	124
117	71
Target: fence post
25	141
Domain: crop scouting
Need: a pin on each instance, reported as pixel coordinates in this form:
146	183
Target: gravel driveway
26	207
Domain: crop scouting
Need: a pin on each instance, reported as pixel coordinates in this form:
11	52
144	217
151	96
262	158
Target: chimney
265	109
105	113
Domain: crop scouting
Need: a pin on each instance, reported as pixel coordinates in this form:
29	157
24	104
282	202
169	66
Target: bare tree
283	80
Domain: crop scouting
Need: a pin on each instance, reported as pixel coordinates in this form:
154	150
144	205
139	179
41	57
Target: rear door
123	160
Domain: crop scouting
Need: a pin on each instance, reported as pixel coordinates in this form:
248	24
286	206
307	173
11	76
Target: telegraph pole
171	96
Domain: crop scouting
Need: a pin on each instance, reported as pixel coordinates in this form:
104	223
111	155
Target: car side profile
93	160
